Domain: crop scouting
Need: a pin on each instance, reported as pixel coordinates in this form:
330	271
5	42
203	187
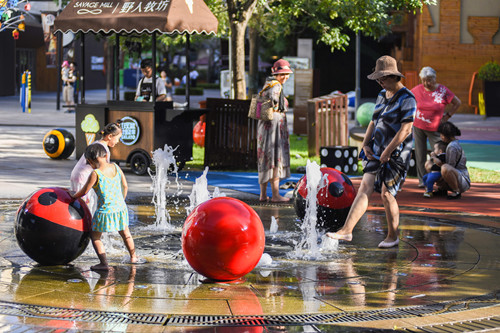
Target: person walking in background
69	88
193	76
273	144
438	157
64	71
110	136
168	85
454	174
432	98
112	214
387	149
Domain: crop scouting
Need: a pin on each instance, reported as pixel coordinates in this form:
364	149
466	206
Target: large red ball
223	239
333	200
51	227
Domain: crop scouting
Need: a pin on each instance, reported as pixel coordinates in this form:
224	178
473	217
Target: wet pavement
443	268
443	276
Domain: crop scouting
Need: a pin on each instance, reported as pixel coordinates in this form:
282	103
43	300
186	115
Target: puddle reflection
435	260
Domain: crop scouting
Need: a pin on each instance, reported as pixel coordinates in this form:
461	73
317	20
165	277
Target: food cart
146	125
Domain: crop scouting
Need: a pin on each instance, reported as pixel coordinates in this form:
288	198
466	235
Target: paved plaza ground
443	276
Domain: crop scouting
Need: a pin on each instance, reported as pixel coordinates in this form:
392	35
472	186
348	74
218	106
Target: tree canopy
332	20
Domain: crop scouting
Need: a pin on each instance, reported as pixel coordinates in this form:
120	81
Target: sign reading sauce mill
130	131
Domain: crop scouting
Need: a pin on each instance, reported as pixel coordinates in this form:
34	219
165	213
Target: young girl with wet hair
111	188
110	136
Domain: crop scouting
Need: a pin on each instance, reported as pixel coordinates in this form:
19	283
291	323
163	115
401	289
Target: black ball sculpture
59	144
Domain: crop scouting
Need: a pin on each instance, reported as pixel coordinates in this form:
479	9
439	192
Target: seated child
439	155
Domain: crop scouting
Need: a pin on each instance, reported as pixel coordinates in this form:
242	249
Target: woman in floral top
432	98
273	144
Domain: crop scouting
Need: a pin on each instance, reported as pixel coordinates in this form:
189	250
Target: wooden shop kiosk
146	126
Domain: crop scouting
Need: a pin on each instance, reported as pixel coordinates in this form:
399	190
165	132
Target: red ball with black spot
51	227
333	200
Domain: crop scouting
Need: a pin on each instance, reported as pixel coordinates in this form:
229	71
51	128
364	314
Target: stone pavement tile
179	306
362	326
450	317
138	328
286	305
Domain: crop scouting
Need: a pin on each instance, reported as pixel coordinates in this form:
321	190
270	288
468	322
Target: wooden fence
327	122
230	136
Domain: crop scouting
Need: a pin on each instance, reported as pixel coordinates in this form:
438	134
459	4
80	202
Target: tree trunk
253	71
239	13
238	59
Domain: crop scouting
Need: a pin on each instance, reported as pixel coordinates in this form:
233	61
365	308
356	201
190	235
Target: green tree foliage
333	19
330	19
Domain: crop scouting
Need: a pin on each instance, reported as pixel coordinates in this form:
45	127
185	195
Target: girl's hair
112	128
449	130
427	72
94	151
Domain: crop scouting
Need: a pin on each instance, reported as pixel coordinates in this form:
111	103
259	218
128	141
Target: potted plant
490	74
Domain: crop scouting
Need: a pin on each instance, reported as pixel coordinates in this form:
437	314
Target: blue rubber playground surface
238	181
482	154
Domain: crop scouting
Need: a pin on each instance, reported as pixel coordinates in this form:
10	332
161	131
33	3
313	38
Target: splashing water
200	192
307	247
274	225
164	161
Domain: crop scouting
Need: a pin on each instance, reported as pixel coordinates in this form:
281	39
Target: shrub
192	91
490	71
208	85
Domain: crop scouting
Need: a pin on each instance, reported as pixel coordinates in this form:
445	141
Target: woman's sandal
335	235
286	186
454	195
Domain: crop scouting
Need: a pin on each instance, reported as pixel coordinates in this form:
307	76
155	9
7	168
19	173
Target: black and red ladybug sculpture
51	227
334	200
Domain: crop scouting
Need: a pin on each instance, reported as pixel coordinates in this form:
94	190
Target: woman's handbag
261	107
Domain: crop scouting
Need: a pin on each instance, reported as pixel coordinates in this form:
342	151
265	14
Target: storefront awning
143	16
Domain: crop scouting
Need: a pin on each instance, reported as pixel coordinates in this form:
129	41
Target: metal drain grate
479	325
46	312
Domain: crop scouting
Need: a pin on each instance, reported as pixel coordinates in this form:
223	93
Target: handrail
470	91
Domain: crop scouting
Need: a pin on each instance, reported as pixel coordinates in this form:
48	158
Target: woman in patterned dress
387	149
273	144
110	185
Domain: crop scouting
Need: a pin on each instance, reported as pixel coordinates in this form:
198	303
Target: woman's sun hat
281	67
386	65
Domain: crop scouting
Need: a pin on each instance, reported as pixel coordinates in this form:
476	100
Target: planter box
492	98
